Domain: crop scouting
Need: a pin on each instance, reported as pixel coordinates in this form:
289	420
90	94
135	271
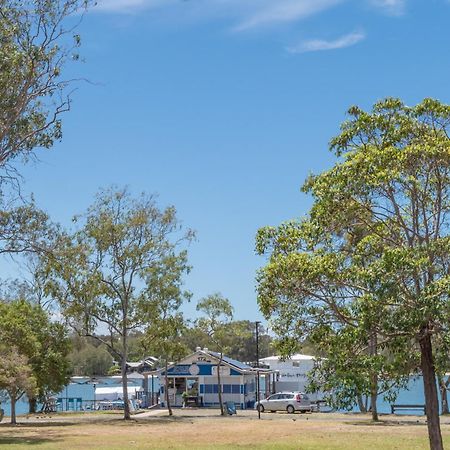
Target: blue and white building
196	375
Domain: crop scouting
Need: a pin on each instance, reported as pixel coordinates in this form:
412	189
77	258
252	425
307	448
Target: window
211	389
295	363
235	388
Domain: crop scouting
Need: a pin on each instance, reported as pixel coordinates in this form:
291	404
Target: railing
407	408
78	404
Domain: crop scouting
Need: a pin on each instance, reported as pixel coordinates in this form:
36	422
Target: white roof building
296	357
292	372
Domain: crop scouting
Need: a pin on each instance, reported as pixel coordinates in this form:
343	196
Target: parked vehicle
285	401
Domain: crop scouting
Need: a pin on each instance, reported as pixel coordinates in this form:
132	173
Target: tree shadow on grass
21	440
387	423
43	424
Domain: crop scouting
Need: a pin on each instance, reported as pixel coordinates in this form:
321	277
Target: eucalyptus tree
392	179
163	337
311	290
100	273
37	40
217	313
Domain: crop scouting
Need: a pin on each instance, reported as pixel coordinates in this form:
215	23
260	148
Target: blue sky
223	107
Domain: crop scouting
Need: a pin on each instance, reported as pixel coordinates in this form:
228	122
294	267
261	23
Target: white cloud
315	45
243	15
127	6
394	7
247	14
283	11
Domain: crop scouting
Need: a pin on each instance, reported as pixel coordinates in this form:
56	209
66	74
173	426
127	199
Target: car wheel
260	408
290	409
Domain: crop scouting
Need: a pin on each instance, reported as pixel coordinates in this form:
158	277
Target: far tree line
89	357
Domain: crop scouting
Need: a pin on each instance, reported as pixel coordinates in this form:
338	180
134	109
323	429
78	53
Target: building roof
117	390
232	362
296	357
150	361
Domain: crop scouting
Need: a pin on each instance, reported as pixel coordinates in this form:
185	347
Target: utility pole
257	368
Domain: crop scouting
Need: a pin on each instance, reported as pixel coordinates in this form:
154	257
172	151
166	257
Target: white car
285	401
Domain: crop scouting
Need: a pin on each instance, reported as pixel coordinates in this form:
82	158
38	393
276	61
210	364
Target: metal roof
296	357
233	362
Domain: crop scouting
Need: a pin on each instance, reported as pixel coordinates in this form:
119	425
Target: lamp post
95	386
94	382
257	368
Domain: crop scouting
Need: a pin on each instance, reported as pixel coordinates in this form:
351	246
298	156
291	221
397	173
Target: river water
81	389
413	394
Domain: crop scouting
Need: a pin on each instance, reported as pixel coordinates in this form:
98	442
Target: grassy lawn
211	432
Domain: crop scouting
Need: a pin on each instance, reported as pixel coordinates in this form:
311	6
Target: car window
287	396
274	397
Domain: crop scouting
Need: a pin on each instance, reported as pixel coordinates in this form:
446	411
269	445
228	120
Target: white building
292	373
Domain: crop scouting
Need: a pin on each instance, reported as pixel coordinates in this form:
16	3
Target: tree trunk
373	399
166	390
32	405
361	405
373	344
13	410
443	390
126	409
219	385
430	390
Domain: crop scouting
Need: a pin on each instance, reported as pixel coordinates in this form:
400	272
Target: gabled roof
233	363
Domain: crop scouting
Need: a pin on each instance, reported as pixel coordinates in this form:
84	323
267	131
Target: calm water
412	395
73	390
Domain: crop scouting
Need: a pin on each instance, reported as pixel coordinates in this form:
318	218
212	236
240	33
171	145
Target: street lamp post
95	386
257	369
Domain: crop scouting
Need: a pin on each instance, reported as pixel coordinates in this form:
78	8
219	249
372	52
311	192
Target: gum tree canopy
36	40
374	252
105	274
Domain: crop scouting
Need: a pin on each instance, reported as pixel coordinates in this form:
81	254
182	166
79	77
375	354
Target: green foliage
239	340
370	262
118	268
43	343
16	376
114	370
91	361
165	297
36	42
218	312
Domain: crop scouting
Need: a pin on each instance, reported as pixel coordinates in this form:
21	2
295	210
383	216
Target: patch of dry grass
210	432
